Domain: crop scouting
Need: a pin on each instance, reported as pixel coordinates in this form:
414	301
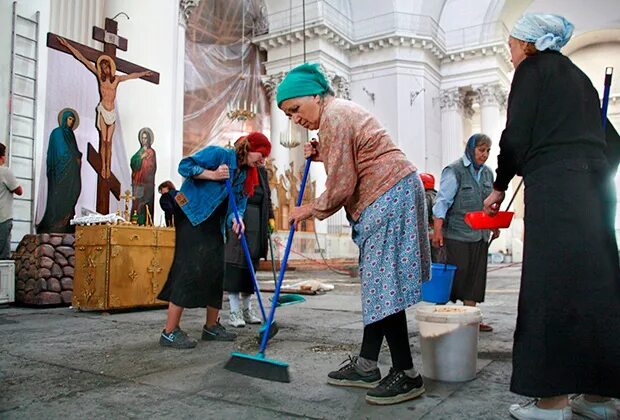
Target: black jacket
256	225
553	114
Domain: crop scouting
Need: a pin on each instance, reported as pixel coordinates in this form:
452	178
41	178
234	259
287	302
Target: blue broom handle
609	71
287	251
246	250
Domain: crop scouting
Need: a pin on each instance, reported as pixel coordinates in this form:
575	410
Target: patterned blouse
361	161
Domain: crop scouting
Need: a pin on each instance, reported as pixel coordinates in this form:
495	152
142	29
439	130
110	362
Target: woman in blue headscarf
568	324
63	177
463	187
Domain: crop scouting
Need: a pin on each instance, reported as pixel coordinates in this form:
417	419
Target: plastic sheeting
223	70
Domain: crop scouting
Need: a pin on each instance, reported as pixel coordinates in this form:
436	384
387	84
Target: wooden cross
127	197
111	40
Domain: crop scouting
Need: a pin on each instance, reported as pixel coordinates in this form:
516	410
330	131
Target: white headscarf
545	31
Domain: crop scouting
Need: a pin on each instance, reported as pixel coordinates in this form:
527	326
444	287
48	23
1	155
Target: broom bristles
258	367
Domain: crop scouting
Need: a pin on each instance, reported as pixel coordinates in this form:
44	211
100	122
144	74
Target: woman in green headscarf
384	199
64	184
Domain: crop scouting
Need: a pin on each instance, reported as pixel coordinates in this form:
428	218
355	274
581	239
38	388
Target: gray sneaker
351	375
176	339
250	317
217	333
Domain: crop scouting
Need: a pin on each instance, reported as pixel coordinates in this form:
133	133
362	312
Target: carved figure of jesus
105	71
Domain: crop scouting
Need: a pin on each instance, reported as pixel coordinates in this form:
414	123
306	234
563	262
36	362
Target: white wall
27	9
153	42
593	59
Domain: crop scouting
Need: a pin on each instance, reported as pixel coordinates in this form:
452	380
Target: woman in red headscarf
202	216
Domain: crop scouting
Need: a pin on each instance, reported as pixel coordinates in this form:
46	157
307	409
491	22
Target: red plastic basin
480	220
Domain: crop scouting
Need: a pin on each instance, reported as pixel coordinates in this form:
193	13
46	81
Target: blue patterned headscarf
470	149
545	31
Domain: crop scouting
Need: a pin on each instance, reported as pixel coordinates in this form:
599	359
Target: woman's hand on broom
238	228
299	214
311	149
493	201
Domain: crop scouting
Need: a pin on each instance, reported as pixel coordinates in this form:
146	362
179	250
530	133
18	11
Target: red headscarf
258	143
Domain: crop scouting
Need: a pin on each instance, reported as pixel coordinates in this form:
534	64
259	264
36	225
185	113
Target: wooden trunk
120	266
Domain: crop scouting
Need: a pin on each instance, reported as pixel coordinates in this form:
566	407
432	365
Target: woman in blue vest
464	185
201	217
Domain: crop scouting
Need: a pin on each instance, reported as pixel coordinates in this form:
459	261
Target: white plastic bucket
449	341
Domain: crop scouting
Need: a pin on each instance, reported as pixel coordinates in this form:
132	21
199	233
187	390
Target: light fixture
371	95
413	95
242	110
286	138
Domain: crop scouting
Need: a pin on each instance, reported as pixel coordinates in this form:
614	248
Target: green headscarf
304	80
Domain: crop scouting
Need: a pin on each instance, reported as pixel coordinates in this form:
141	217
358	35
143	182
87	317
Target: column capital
339	84
271	82
451	99
492	94
457	99
185	10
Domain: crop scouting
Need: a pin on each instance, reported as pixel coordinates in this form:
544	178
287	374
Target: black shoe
217	333
396	387
177	339
352	375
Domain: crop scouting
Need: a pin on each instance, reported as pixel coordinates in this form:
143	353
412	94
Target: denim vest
202	197
469	197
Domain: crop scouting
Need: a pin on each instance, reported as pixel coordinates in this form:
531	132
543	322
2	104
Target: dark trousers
5	239
394	329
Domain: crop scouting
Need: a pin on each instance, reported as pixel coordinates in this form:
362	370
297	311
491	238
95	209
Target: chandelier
242	110
286	138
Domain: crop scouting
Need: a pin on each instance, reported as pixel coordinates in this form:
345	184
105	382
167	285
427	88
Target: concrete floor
59	363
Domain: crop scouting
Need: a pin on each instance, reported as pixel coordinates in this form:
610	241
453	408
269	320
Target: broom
258	365
273	330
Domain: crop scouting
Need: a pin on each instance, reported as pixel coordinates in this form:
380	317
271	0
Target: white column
319	177
451	104
492	99
279	123
176	154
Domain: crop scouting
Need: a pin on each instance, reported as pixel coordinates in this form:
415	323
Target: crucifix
106	64
127	197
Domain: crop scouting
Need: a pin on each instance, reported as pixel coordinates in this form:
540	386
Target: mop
273	330
258	365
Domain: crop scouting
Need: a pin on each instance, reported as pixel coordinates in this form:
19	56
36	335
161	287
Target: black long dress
258	212
568	326
197	273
